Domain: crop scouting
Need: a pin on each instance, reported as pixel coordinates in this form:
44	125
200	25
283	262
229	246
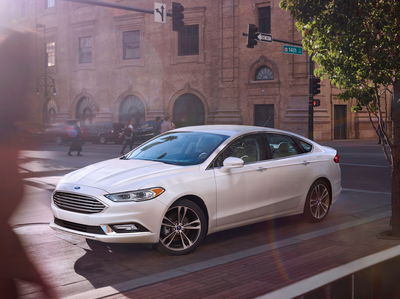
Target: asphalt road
75	265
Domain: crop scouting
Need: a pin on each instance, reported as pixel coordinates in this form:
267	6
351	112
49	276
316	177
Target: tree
356	44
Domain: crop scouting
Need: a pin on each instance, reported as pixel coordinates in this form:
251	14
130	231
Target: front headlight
138	195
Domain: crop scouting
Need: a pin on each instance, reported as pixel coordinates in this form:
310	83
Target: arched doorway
85	111
50	111
188	111
51	116
131	109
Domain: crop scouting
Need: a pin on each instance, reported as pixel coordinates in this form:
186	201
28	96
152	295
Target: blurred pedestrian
15	80
166	125
76	142
157	126
127	137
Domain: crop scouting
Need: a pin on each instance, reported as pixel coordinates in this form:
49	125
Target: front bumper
146	215
139	237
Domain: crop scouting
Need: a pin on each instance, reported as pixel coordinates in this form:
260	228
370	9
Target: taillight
336	159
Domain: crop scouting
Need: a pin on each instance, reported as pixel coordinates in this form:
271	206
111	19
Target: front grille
79	227
77	203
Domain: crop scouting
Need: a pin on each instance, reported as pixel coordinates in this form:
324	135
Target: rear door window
306	147
282	146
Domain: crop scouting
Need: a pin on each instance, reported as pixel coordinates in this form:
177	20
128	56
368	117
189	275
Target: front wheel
58	140
318	201
183	228
102	140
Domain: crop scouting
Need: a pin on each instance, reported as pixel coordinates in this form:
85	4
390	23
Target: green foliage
356	43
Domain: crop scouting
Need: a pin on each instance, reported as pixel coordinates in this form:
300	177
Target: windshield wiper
162	156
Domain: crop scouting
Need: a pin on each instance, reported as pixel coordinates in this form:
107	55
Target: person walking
127	137
76	142
166	125
157	126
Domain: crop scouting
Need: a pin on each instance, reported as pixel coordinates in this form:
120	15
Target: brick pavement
268	271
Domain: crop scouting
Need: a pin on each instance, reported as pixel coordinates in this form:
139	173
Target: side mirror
232	162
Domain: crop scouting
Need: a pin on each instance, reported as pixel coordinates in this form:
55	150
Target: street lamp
48	85
45	82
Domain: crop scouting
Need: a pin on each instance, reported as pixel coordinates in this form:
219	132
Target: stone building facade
111	65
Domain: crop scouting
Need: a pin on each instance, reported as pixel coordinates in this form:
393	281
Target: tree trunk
396	160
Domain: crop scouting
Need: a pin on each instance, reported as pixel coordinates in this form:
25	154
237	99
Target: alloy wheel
319	201
182	228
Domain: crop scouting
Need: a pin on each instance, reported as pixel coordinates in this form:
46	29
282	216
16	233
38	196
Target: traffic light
316	103
252	35
315	85
177	16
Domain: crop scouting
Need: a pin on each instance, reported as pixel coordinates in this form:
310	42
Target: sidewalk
277	265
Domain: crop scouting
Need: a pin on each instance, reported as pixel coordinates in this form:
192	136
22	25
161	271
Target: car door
233	185
285	178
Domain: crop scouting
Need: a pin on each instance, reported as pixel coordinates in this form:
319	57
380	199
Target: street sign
160	12
292	50
264	37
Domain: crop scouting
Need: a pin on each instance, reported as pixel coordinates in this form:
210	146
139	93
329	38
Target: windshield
180	148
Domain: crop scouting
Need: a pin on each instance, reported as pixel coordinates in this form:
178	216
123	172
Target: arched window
188	111
264	73
84	111
131	109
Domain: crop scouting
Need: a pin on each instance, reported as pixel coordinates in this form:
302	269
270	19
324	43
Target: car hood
119	175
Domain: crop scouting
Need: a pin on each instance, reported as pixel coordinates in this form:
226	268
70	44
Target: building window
264	19
131	44
51	53
85	49
188	40
50	3
264	73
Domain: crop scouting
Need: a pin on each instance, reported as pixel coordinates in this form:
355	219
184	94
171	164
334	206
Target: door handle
306	162
262	168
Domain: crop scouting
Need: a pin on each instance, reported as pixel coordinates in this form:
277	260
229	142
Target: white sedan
180	186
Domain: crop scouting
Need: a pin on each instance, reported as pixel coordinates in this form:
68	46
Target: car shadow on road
106	264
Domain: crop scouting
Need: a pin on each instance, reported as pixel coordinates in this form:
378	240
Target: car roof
232	130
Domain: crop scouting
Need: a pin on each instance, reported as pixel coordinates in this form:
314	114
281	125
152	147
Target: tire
58	140
175	236
318	201
102	140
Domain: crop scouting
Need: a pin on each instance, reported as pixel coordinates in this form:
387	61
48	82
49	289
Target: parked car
144	131
63	132
113	134
104	132
186	183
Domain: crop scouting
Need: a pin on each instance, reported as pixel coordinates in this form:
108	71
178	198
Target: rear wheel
58	140
318	201
183	228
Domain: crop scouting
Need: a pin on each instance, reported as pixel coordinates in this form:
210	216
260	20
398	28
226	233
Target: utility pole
310	98
253	36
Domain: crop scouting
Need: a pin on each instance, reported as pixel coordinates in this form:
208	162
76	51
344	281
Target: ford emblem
77	187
